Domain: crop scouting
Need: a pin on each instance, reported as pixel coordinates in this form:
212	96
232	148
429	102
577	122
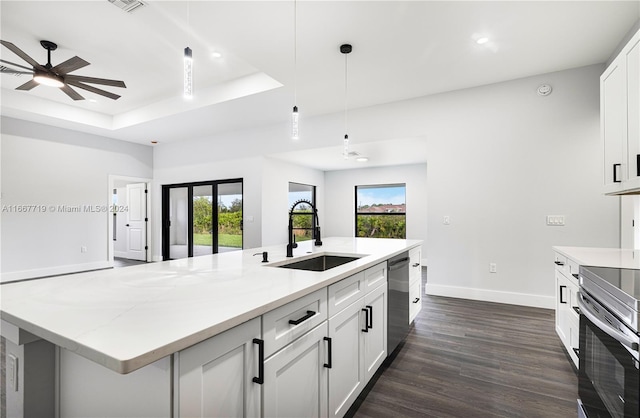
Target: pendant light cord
346	93
295	52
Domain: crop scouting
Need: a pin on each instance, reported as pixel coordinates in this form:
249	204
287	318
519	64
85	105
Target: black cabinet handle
301	320
366	320
370	316
575	308
638	165
615	173
416	300
328	364
576	275
559	263
562	293
416	264
577	351
260	379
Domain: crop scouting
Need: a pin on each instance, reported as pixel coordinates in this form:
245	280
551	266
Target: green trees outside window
381	211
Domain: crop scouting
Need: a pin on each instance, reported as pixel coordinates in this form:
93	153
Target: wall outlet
83	249
12	371
493	268
446	220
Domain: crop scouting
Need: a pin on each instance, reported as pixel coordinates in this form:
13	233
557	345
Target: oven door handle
585	309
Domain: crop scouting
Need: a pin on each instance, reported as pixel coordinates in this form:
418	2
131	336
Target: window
303	218
381	211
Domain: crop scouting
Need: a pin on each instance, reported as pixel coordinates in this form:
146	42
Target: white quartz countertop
602	257
130	317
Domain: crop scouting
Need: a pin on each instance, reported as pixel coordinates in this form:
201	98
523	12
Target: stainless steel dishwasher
398	302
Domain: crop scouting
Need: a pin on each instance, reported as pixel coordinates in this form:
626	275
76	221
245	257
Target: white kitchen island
125	325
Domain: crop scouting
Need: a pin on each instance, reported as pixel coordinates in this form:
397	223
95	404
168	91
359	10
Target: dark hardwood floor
466	358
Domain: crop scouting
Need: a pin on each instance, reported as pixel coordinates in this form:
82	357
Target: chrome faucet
316	228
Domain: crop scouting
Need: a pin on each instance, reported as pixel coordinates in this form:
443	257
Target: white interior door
136	221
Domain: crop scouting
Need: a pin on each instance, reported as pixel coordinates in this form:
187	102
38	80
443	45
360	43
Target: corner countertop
602	257
127	318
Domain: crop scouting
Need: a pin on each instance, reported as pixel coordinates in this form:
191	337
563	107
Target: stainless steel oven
609	372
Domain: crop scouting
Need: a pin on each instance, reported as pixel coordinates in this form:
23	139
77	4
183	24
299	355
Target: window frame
379	186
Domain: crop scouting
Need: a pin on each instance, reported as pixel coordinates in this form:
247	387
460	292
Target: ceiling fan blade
93	80
22	54
16	65
6	70
69	65
92	89
71	93
28	85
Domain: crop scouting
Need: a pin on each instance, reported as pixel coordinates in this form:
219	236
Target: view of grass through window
229	218
302	223
381	211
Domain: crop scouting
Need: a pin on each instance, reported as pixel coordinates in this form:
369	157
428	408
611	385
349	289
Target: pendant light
295	116
188	66
345	49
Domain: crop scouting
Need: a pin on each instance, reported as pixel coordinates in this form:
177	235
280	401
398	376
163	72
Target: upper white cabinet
620	120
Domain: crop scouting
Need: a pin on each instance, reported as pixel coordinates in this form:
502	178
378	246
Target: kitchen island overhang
125	319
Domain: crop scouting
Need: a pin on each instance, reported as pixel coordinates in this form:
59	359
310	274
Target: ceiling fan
57	76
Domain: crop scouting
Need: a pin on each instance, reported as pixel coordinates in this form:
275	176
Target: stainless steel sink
318	263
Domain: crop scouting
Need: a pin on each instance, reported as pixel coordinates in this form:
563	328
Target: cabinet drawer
415	299
345	292
561	263
574	269
375	276
415	264
308	311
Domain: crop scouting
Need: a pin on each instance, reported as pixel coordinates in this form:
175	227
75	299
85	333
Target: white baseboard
53	271
512	298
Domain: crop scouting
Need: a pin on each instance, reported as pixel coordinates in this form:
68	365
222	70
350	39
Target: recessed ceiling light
362	159
216	54
482	40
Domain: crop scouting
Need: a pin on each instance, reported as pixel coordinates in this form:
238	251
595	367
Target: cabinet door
296	379
415	299
632	62
562	303
215	377
375	340
613	124
346	376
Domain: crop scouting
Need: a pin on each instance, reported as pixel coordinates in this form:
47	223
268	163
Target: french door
201	218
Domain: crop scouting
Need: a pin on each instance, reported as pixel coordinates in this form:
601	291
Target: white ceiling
401	50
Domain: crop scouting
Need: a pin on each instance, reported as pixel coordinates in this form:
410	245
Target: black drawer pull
615	173
366	320
562	294
301	320
416	264
416	300
575	308
370	316
559	263
328	364
577	351
576	275
260	379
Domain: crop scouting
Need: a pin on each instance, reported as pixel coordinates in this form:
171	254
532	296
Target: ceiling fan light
47	79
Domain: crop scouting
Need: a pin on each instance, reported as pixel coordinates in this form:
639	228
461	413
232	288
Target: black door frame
166	223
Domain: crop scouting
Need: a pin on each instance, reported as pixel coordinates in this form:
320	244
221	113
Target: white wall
340	197
52	167
501	160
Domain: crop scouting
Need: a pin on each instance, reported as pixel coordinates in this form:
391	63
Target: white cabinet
358	335
215	378
620	120
415	283
295	378
567	316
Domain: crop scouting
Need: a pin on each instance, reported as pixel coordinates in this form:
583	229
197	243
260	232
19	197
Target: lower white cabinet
215	378
567	316
415	282
295	378
358	336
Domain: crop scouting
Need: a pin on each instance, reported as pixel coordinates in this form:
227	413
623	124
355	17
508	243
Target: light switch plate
555	220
